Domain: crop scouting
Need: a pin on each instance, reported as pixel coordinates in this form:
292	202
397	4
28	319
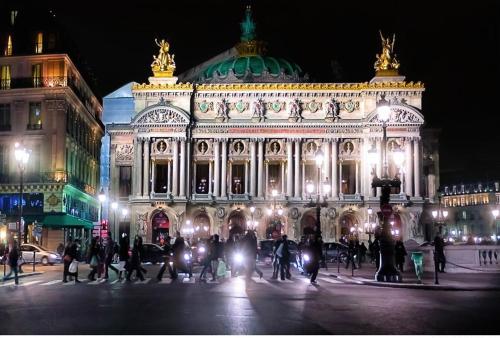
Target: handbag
93	261
279	251
73	267
221	269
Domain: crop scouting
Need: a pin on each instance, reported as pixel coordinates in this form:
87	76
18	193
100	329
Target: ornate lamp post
22	157
369	226
439	217
387	271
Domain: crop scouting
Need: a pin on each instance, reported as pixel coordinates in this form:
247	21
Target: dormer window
39	43
8	48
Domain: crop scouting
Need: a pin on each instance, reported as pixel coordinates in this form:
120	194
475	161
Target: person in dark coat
284	258
135	262
400	253
167	248
110	251
207	262
250	254
351	252
276	262
93	254
179	249
362	252
13	257
141	251
316	252
439	248
218	248
70	254
375	251
123	255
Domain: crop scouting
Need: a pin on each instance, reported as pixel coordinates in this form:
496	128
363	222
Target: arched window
39	43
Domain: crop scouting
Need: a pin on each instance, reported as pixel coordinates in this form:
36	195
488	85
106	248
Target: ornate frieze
258	110
124	154
295	112
55	104
309	86
240	106
332	110
205	106
162	115
275	106
349	106
222	111
313	106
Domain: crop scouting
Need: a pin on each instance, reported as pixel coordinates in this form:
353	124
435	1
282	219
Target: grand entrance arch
201	224
346	222
236	223
160	224
308	223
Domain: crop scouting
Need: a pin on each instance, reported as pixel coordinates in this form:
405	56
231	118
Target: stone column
175	170
416	166
304	189
210	178
224	169
153	176
169	177
189	167
253	168
216	169
146	179
340	177
357	177
260	170
282	163
326	164
297	193
247	179
335	175
267	187
182	181
409	168
289	170
138	171
380	162
113	173
193	186
231	177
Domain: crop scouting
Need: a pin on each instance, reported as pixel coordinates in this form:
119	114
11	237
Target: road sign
386	210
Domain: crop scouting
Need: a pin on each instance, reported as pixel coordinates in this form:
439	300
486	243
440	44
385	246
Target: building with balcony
243	129
48	108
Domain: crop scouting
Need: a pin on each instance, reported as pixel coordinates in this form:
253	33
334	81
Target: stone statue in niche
332	110
222	111
258	111
295	111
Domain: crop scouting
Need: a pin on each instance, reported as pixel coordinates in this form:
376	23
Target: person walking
362	252
93	256
218	254
250	254
276	262
70	255
439	252
375	251
351	252
123	256
135	262
167	248
316	252
284	259
141	251
400	253
110	251
13	257
207	261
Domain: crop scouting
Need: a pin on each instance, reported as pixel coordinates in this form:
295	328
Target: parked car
334	249
265	251
42	255
153	253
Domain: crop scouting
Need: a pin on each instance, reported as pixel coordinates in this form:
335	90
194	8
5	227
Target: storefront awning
66	221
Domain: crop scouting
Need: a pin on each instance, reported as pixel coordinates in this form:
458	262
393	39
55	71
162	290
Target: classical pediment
400	114
161	114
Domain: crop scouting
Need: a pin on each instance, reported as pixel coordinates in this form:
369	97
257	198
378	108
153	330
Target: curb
27	274
358	281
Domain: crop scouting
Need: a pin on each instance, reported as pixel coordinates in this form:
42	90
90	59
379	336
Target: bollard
33	261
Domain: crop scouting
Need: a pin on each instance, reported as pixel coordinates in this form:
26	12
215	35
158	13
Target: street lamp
439	217
399	158
387	271
22	157
369	226
102	199
495	213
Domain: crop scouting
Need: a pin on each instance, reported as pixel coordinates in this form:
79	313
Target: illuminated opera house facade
232	143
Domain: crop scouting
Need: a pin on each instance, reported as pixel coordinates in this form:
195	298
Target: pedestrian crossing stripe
284	281
165	281
145	281
52	282
30	282
260	280
188	280
98	281
7	284
115	281
329	280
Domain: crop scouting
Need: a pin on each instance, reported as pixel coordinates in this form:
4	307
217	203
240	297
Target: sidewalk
447	281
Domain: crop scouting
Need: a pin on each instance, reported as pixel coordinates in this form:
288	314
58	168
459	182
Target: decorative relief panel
275	147
349	149
400	115
332	110
240	106
163	116
313	106
124	153
205	106
203	149
295	111
258	111
238	149
275	106
222	108
309	148
349	106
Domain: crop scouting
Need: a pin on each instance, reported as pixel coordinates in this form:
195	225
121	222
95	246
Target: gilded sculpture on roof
387	63
163	65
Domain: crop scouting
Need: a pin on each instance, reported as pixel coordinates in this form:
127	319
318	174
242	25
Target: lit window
39	43
36	71
4	117
35	116
13	15
8	49
5	77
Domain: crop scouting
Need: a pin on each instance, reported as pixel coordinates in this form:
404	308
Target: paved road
43	305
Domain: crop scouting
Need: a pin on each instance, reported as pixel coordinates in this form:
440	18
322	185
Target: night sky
452	47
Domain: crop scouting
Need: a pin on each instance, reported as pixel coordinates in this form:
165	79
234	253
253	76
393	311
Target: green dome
257	67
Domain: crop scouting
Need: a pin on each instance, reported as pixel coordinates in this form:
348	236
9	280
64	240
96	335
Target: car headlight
238	258
307	258
186	256
53	256
201	249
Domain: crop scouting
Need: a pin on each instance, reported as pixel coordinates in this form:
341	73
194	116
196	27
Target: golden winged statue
387	63
163	65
